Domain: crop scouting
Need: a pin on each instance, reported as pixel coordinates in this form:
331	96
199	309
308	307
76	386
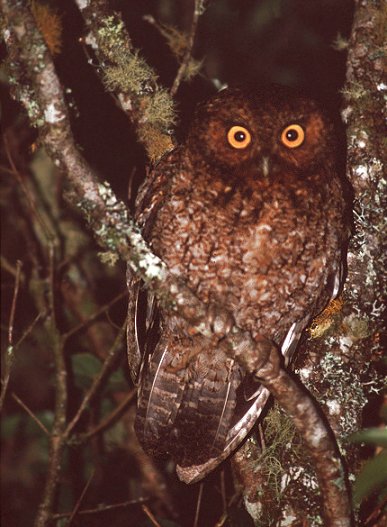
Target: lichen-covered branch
365	95
316	436
125	72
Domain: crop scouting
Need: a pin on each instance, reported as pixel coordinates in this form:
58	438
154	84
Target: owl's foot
270	360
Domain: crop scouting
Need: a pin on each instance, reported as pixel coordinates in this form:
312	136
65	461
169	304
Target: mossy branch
124	72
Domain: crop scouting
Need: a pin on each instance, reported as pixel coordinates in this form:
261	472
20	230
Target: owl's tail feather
158	401
187	412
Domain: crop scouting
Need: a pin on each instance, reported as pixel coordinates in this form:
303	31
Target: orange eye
238	137
293	136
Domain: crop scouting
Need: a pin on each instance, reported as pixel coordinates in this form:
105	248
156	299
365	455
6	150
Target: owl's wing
194	473
186	410
132	338
142	306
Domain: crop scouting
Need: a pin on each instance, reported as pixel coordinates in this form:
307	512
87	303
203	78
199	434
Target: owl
250	213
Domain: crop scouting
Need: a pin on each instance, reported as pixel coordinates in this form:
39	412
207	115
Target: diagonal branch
317	437
147	104
10	351
197	12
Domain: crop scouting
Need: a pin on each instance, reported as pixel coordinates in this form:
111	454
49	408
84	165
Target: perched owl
249	211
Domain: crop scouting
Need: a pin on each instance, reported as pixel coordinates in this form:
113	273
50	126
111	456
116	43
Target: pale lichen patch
91	41
82	4
52	115
333	407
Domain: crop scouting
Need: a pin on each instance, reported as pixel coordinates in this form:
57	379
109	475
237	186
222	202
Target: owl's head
261	131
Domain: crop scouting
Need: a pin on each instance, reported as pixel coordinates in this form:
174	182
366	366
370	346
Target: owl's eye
293	136
238	137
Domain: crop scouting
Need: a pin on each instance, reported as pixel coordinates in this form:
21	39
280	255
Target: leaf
370	436
85	367
372	477
117	381
9	425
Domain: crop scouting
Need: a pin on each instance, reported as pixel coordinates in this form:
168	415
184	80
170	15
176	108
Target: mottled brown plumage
254	222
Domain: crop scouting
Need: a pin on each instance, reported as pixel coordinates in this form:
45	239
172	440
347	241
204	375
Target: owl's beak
265	166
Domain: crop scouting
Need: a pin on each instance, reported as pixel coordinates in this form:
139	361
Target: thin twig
223	490
92	318
261	437
150	516
101	509
30	413
111	418
10	356
224	516
7	266
80	499
29	329
379	508
58	439
197	11
198	504
10	352
30	199
110	359
13	305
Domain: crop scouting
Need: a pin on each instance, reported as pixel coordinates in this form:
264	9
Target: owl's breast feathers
267	249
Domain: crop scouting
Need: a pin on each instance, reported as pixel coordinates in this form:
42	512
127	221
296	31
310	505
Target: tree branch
197	12
123	71
317	437
10	352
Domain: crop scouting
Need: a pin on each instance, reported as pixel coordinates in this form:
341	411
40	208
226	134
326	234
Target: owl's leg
187	411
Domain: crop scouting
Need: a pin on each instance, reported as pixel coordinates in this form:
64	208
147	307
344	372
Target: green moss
355	90
112	38
155	141
279	432
131	74
109	258
340	43
159	109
